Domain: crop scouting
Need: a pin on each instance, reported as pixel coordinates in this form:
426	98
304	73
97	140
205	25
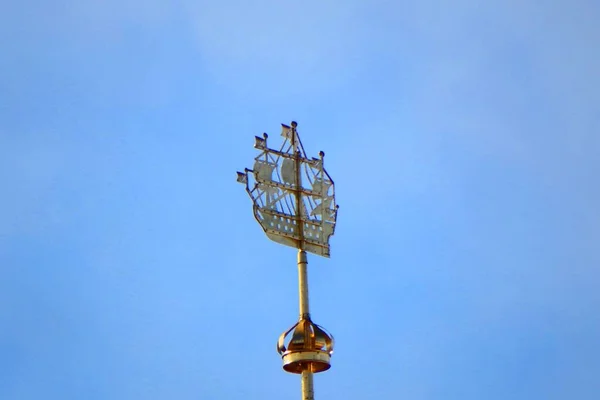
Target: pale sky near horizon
463	138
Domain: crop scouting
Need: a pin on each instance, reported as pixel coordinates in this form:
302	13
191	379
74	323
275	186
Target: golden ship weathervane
293	200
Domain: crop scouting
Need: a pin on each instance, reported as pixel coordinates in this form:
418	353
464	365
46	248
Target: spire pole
306	385
307	375
308	392
303	285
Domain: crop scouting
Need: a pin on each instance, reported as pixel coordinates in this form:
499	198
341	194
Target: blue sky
463	138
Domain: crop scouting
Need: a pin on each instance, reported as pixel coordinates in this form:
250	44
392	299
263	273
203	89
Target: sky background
463	138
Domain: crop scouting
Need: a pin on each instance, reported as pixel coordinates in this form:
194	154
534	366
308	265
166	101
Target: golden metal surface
305	335
313	361
297	190
303	284
308	392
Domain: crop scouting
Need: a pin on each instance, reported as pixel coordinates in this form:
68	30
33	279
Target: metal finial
293	200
